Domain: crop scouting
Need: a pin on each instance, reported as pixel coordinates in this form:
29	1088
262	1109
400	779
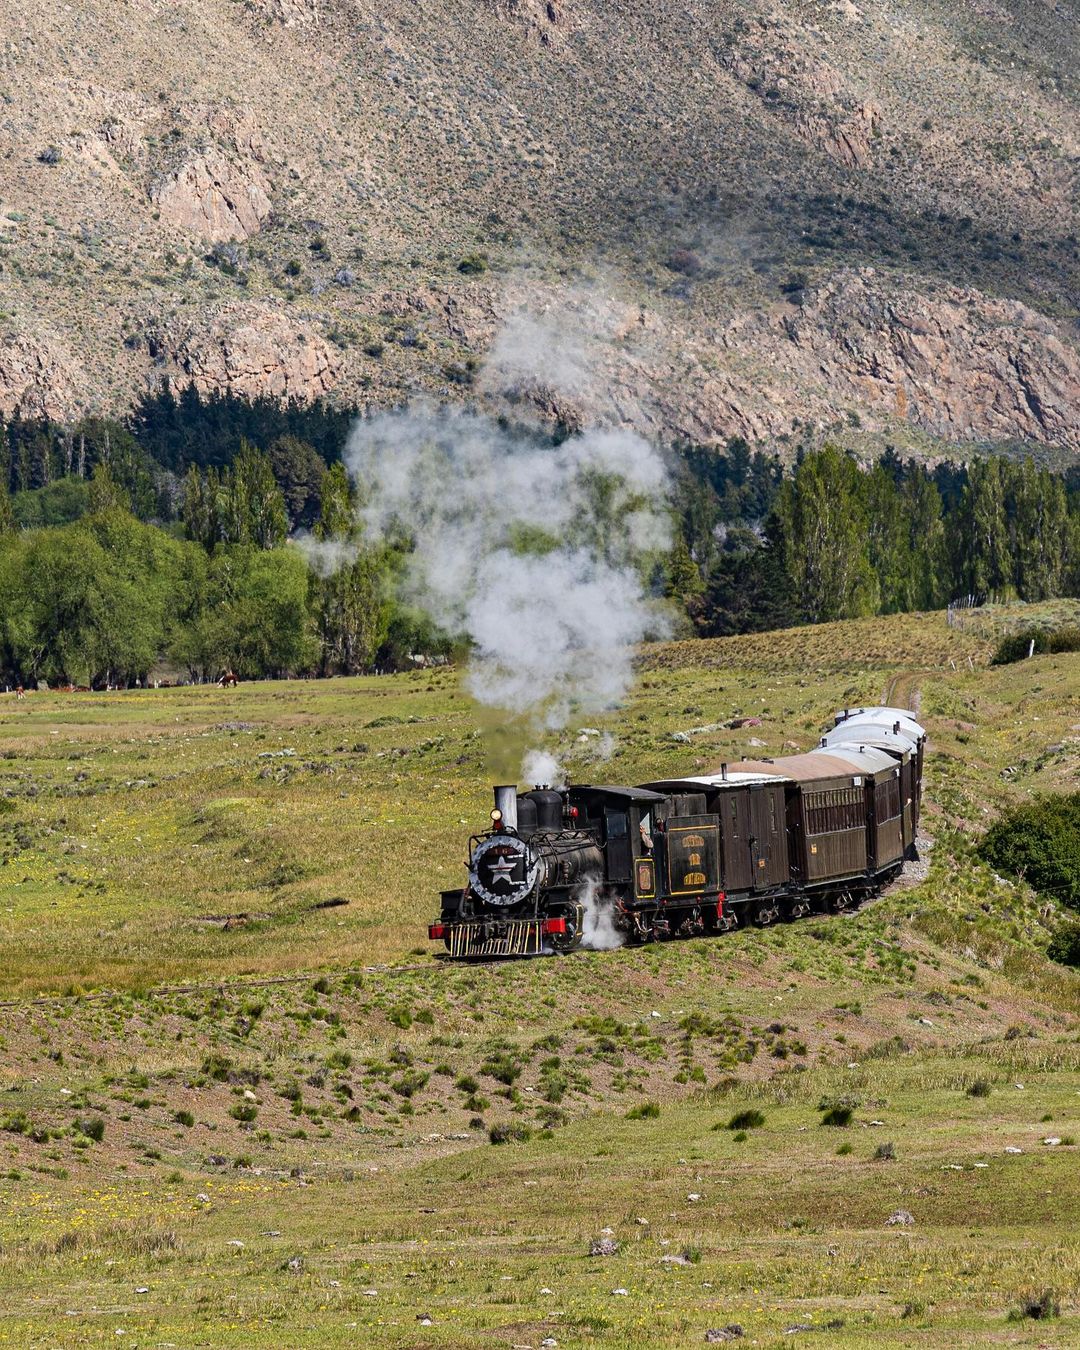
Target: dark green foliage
1040	842
58	503
1065	944
217	1066
980	1088
1017	646
885	1153
751	1119
837	1111
244	1111
184	1118
92	1127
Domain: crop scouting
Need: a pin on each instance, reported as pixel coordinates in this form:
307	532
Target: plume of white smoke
539	766
325	556
599	932
529	551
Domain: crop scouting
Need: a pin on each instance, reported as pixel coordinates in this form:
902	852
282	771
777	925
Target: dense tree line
833	540
105	599
167	538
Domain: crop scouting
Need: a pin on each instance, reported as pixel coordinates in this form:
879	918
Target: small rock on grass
718	1335
604	1246
1052	1140
900	1218
621	1293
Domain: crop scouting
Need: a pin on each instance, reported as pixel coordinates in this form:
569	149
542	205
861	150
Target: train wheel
564	943
766	913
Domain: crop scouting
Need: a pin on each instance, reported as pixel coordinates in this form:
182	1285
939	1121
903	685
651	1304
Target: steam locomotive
754	843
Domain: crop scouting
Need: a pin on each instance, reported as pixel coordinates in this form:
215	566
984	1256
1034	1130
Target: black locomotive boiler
756	842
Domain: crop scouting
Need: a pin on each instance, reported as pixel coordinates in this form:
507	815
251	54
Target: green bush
751	1119
1040	842
93	1128
1015	647
1065	944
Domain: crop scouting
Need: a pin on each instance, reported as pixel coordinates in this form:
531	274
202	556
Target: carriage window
734	818
772	813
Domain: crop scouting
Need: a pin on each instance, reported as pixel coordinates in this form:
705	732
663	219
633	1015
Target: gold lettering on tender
694	860
694	879
694	841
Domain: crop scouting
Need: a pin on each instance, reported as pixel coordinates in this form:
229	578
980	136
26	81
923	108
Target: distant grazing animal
228	680
751	843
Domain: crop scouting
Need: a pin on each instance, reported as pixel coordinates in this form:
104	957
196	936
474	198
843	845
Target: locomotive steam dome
504	869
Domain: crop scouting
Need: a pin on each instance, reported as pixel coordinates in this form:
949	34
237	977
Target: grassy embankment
343	1117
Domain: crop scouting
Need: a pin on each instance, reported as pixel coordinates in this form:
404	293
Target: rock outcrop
245	349
956	363
213	197
780	65
38	378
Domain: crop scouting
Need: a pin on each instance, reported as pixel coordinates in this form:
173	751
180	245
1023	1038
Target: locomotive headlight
496	816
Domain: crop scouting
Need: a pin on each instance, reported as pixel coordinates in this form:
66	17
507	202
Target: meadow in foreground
294	1148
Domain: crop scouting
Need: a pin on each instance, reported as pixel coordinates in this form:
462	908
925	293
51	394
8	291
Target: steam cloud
599	932
529	551
325	556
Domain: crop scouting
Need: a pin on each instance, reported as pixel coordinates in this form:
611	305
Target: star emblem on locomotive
500	871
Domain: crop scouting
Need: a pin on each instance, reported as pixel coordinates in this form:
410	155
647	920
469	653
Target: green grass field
224	1121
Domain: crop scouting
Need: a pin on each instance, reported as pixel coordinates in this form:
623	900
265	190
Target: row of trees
838	541
91	590
107	598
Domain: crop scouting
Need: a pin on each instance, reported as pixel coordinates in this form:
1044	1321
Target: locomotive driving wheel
563	943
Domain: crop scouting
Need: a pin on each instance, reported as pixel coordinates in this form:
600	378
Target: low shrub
751	1119
1048	641
1040	842
1038	1305
509	1134
643	1111
92	1127
1065	944
980	1088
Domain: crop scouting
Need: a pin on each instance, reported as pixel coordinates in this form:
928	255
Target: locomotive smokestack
506	802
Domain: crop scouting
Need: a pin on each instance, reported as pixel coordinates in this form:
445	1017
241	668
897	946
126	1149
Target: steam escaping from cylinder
531	552
599	932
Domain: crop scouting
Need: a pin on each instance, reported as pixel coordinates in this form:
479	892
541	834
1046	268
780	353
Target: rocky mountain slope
701	219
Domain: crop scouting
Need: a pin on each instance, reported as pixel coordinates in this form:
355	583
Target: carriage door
760	839
733	811
617	843
770	854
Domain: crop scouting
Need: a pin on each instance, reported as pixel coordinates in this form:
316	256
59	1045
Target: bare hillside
699	219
